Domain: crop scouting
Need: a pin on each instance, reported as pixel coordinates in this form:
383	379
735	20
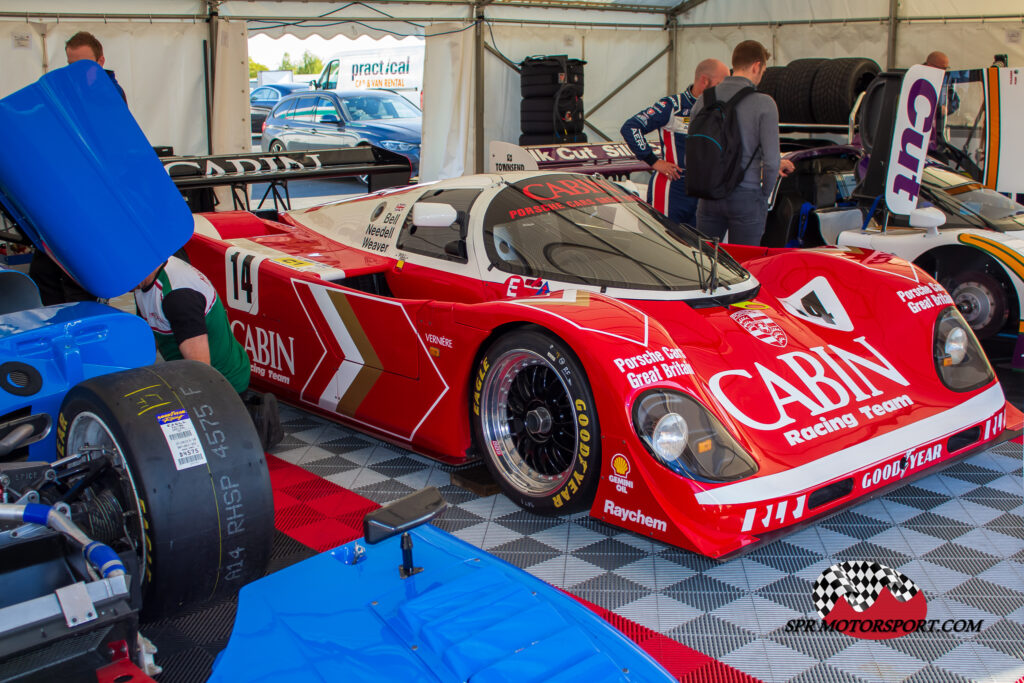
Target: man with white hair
670	116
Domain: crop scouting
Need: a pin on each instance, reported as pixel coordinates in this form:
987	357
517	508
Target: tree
255	68
287	64
310	64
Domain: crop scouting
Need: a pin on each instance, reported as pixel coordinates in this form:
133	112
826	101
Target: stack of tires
818	90
552	107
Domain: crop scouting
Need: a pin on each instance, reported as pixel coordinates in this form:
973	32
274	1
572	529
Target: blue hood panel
81	179
468	616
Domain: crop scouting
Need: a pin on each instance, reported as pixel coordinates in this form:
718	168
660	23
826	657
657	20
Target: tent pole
890	59
478	91
672	27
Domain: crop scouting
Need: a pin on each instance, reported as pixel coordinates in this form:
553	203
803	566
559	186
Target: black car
263	99
331	118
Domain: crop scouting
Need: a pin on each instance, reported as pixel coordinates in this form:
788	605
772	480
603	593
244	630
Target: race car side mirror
402	515
929	218
426	215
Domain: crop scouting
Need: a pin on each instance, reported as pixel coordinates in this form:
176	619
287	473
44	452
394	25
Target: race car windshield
968	204
588	230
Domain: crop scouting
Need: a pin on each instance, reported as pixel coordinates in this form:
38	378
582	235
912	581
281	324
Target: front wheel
535	422
185	475
981	300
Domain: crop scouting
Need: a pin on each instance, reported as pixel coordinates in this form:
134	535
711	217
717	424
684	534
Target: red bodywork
830	413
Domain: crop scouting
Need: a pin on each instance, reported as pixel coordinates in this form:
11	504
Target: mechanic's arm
636	127
196	348
185	310
768	122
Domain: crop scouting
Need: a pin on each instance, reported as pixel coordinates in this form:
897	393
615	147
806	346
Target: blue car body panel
81	179
468	616
66	344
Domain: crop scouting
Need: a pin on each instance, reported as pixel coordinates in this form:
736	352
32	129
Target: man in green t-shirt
189	321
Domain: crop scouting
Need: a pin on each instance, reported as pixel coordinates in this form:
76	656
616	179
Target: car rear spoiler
613	160
196	176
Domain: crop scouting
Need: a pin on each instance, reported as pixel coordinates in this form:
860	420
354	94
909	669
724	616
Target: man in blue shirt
670	116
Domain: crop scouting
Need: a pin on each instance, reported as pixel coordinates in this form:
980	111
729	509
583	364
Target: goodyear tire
981	300
535	422
793	92
837	84
200	530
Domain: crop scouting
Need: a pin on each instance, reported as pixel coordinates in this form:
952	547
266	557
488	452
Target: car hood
403	130
70	132
796	387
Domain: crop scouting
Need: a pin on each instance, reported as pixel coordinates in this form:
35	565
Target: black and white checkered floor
958	534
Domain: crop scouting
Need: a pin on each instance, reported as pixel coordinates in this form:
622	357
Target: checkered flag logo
861	583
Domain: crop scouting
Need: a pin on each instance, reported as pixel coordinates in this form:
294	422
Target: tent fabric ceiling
615	36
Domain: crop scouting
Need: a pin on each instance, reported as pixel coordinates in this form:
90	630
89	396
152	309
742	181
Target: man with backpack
732	152
670	116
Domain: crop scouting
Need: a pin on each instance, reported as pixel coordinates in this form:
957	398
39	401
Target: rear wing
197	176
612	160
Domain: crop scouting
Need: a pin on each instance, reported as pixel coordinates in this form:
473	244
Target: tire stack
552	107
818	90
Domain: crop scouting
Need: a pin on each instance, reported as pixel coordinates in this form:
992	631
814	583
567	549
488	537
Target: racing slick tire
770	81
794	91
535	422
981	300
277	147
837	83
191	480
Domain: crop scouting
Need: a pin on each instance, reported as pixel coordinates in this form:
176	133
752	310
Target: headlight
682	435
398	146
959	360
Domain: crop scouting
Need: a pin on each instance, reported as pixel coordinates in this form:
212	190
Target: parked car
329	119
263	99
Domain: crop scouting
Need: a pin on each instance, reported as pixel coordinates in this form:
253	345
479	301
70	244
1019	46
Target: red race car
595	357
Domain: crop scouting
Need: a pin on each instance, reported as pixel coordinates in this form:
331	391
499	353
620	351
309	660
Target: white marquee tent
183	62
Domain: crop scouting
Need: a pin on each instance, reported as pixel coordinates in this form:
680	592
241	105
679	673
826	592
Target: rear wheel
187	483
277	147
535	422
981	300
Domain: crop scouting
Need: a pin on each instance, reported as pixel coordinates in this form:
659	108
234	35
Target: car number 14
241	287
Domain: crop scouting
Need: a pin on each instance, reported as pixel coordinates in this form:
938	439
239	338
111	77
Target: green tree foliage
255	68
287	64
310	64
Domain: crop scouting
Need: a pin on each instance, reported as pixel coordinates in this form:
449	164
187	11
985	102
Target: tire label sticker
182	439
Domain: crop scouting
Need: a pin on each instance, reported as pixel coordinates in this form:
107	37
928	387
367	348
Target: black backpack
713	148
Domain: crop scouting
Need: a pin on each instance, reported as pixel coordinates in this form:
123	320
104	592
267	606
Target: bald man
671	117
949	103
937	59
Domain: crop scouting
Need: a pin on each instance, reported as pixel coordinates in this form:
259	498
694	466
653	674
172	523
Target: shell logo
620	465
